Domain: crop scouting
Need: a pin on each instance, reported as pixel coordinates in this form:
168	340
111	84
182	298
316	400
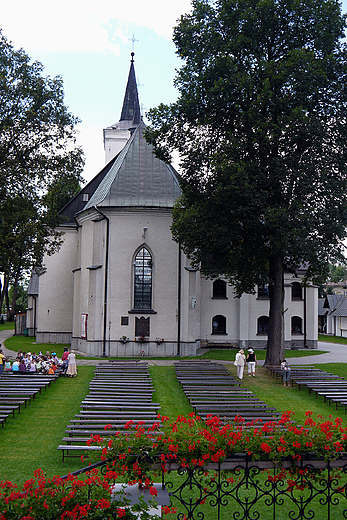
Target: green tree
337	272
37	147
260	124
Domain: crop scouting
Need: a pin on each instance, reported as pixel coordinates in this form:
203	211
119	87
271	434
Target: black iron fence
238	488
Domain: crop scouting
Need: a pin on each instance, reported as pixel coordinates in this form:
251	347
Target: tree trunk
7	303
14	296
4	289
275	348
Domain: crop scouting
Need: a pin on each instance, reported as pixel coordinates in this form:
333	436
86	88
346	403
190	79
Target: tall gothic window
143	280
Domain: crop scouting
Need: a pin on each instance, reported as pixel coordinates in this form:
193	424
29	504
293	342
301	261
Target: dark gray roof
321	310
137	178
33	287
333	300
341	309
131	105
77	203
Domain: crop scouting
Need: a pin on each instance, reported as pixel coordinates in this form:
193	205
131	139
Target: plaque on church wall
141	326
84	321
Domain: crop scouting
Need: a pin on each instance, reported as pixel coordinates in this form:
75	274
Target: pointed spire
131	105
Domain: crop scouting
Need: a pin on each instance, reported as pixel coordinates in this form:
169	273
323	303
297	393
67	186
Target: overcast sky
89	44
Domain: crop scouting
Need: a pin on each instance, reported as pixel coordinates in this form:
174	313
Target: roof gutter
106	279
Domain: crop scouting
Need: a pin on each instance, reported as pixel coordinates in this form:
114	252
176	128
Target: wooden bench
67	448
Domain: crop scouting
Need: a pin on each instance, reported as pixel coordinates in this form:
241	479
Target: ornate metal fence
240	489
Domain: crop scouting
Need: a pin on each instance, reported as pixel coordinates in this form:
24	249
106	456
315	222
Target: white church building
120	286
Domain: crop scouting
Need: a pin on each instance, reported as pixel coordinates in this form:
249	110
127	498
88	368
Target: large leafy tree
37	147
260	124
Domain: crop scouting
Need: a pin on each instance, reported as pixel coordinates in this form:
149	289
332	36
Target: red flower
103	503
153	491
265	447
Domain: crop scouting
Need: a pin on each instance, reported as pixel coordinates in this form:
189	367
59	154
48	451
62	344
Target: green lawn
28	344
8	325
30	440
332	339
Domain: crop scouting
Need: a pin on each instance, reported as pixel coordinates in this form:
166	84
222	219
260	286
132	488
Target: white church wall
190	303
210	307
55	302
89	279
129	231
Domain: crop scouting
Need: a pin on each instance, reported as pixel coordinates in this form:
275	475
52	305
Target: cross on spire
133	40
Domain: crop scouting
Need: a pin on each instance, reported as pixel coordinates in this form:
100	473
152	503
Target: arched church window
296	291
296	325
143	280
219	289
263	325
219	324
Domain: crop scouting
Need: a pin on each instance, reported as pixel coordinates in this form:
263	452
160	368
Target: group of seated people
30	362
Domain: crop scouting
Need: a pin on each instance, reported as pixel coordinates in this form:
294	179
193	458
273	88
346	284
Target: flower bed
189	441
274	461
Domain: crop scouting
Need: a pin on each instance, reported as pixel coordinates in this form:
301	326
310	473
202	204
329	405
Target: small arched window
143	280
296	325
296	291
219	324
219	289
263	325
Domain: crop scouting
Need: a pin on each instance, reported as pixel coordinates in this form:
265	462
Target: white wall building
120	285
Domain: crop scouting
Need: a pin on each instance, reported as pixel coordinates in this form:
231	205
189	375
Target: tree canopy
260	124
37	147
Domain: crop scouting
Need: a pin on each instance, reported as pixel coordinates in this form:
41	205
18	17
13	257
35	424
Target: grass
30	440
332	339
283	398
8	325
229	355
169	393
28	344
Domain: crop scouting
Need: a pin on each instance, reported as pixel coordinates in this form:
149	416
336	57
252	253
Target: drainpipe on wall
106	279
179	301
34	298
305	318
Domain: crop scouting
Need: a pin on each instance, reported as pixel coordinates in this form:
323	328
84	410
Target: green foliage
37	146
52	498
62	189
337	272
261	128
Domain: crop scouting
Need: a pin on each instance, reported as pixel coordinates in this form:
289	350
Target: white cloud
84	26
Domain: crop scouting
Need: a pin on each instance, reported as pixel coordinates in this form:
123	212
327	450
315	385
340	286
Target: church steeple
117	135
131	105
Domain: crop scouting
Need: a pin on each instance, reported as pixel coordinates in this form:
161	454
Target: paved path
337	353
4	334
